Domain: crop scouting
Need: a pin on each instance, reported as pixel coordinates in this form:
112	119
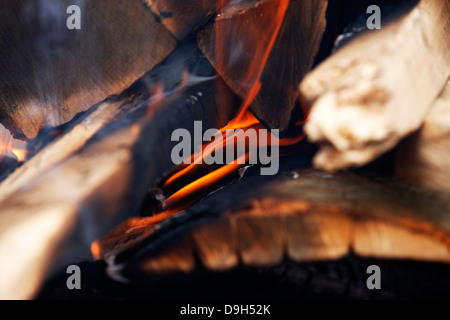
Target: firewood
237	52
180	258
56	212
254	249
215	245
61	149
182	17
306	216
50	73
377	89
424	158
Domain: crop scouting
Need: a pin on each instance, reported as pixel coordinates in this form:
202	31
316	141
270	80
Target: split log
41	201
237	51
183	17
61	149
377	89
52	215
50	73
304	215
424	158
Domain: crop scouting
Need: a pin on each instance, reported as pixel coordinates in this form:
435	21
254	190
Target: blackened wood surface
301	214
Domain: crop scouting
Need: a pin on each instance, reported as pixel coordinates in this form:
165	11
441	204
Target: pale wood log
55	213
377	89
35	221
50	73
236	51
60	149
424	158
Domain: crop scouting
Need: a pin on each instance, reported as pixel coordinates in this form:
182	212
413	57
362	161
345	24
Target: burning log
266	61
61	149
305	215
378	89
42	204
424	158
50	73
55	208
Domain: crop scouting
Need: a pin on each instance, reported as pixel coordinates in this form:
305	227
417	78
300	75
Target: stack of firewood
116	92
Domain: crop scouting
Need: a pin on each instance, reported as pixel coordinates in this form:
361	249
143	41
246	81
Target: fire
12	147
21	154
190	182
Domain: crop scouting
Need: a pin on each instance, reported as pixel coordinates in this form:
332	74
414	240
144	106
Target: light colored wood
378	89
50	73
60	149
376	237
54	213
424	158
37	220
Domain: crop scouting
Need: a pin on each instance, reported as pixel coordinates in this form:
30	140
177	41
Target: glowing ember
11	147
21	154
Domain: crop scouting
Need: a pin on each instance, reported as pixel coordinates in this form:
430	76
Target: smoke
47	19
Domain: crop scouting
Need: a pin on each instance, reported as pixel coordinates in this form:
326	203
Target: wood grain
54	214
260	239
50	73
215	245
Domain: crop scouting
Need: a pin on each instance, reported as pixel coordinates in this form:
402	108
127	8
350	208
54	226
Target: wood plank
378	89
50	73
424	158
238	52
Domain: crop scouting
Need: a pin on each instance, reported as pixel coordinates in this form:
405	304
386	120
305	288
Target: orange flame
258	38
256	33
21	154
11	147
